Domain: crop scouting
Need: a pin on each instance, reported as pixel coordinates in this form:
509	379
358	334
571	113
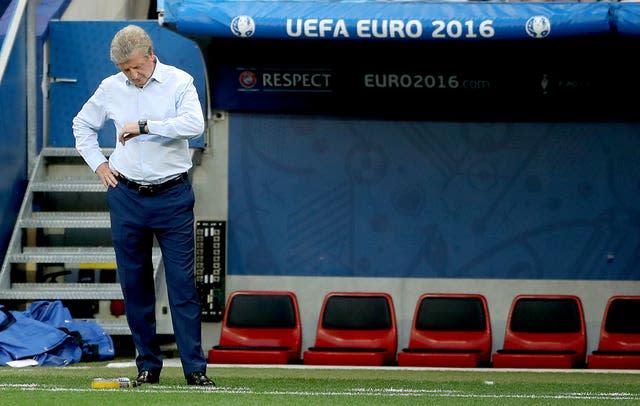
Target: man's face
139	68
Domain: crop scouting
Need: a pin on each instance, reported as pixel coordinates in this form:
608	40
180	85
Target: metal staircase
61	248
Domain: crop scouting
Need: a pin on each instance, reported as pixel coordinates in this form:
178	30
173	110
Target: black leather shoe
199	379
147	377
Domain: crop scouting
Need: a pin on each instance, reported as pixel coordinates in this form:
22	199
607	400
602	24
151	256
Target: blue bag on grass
22	337
95	343
47	333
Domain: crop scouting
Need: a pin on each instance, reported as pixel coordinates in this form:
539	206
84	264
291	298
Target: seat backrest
262	318
620	329
451	321
364	320
546	323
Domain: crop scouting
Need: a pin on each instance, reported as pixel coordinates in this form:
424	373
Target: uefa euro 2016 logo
538	27
243	26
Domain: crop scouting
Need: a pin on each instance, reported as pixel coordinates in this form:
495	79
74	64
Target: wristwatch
142	124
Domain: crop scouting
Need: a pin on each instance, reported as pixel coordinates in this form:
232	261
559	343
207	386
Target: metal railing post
32	96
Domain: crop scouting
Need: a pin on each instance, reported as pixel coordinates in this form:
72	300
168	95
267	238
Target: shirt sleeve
86	125
189	120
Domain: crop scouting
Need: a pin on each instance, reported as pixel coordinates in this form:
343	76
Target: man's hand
106	175
128	131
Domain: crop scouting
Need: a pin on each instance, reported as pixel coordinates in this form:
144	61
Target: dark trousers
135	220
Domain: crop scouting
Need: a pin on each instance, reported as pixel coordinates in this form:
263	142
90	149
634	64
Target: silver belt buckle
145	189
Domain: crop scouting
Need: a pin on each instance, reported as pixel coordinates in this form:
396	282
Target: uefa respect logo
247	79
243	26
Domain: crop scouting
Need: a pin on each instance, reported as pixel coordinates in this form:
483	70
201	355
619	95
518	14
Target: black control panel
211	267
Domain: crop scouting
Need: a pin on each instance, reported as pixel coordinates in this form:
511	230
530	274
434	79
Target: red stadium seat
619	345
544	331
449	330
355	328
259	327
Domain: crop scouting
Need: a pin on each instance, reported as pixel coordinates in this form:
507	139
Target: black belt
152	189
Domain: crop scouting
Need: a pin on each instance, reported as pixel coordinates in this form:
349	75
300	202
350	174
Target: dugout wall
414	147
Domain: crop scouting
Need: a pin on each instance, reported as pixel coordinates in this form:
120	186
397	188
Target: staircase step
68	185
63	255
114	326
67	220
73	255
62	291
58	151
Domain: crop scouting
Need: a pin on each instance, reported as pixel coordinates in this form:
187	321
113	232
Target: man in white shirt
155	109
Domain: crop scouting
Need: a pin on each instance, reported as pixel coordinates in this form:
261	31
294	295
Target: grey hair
127	41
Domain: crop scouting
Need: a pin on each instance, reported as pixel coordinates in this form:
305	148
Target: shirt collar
159	73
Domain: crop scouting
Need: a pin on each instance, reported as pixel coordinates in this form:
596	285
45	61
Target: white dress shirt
168	101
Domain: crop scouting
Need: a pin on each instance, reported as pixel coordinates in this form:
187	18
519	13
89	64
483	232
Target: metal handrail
10	38
22	7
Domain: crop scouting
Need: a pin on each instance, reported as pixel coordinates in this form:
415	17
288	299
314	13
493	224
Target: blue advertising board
398	20
416	59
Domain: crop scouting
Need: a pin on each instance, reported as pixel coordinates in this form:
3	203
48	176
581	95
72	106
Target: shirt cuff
94	159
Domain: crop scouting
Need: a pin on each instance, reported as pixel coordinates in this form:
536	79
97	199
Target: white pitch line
175	362
378	392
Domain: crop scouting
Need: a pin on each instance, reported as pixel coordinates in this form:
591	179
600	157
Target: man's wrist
142	127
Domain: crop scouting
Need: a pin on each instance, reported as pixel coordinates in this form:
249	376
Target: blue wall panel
13	138
322	196
45	11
